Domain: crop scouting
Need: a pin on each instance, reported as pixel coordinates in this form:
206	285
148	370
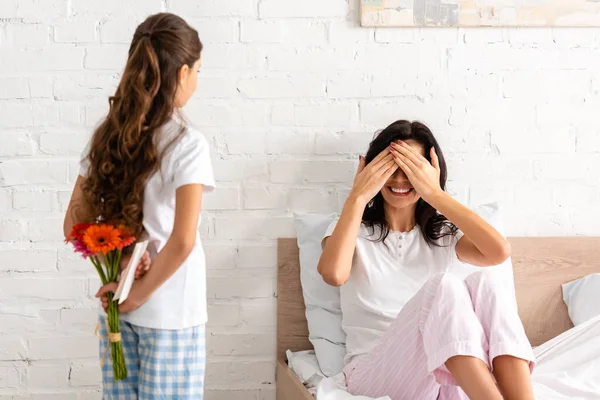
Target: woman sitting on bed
413	330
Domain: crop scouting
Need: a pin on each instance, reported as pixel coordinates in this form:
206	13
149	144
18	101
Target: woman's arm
77	211
481	245
336	261
188	203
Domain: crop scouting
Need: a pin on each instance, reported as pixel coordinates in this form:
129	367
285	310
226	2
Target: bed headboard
541	266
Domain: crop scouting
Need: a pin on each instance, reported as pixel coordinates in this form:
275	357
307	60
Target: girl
414	331
146	168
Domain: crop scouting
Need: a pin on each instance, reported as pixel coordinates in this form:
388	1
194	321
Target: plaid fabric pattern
161	364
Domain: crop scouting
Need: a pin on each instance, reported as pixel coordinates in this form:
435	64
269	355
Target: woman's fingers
409	153
435	161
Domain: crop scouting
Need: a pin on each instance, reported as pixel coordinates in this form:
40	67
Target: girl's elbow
184	246
503	254
333	278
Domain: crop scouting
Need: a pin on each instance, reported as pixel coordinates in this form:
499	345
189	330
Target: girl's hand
142	267
132	302
424	176
370	178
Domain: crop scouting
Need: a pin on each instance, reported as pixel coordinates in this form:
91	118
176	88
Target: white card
128	275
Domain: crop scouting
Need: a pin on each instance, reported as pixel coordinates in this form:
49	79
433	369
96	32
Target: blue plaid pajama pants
161	364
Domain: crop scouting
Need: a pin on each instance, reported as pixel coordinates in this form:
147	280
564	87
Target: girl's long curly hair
433	225
123	151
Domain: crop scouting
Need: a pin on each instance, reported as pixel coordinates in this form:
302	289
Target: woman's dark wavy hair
123	153
434	226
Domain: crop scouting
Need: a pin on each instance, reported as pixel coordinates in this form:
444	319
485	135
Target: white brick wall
289	93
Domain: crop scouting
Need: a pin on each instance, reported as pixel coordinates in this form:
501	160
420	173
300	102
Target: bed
541	266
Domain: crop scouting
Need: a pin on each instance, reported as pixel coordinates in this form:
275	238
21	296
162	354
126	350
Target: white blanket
568	367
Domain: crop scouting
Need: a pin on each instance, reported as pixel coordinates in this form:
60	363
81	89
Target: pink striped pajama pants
448	317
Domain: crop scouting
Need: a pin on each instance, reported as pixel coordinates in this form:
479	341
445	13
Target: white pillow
582	298
323	312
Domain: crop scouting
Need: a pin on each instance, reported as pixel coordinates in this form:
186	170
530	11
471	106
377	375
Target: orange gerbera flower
126	240
77	232
101	238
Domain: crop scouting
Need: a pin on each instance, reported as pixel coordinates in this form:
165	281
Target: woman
413	330
146	169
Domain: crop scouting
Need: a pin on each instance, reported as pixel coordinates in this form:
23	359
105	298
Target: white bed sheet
568	367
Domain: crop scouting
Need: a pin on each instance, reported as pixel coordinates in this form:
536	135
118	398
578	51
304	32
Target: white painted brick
439	36
15	114
305	32
227	113
262	31
28	34
580	167
70	113
530	36
34	10
28	260
13	349
223	373
348	33
588	140
257	256
75	32
63	347
404	35
12	231
63	143
574	37
565	112
138	7
259	312
343	143
463	168
35	395
94	113
82	319
312	200
214	8
224	394
94	394
118	30
546	139
12	376
41	87
68	261
498	111
264	198
14	88
5	200
315	115
312	171
222	199
50	58
45	288
106	57
380	114
312	59
414	58
220	256
241	344
48	376
290	143
278	86
45	113
484	36
46	230
85	374
398	85
16	144
215	86
240	170
223	314
349	85
216	30
252	288
238	143
255	228
306	9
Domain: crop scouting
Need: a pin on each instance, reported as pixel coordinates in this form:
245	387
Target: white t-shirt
181	301
384	277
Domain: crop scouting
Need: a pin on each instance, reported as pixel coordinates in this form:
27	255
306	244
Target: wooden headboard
541	266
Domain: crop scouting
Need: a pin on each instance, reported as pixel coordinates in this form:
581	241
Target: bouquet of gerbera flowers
103	245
